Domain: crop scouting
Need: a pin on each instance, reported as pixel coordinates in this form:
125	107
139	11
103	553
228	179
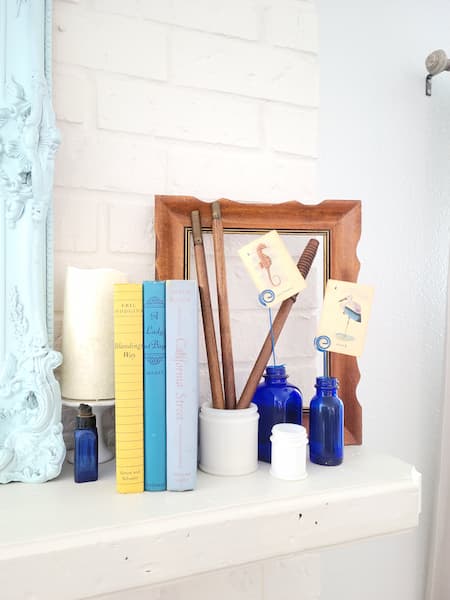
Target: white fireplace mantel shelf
67	540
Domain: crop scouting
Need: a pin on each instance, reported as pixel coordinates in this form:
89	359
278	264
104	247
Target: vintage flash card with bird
345	314
272	268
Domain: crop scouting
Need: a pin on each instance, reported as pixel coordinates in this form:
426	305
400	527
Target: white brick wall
194	97
182	114
101	160
292	25
235	18
111	43
239	67
200	97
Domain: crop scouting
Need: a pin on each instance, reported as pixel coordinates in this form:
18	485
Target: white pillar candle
88	337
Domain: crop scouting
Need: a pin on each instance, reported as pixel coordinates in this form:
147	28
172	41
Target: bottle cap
327	383
85	418
276	370
290	433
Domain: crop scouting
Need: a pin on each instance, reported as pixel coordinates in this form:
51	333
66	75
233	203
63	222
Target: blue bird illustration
352	310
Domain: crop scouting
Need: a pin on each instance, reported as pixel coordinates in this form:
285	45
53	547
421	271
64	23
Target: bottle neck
86	422
327	386
326	391
271	379
85	418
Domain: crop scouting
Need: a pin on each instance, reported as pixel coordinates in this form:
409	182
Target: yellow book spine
128	367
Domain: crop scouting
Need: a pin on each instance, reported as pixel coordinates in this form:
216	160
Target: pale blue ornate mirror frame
31	443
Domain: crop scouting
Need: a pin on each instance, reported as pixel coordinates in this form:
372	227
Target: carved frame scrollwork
31	443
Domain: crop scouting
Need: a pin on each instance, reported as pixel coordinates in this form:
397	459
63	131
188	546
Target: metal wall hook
435	63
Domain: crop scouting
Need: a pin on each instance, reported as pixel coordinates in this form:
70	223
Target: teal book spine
154	338
182	383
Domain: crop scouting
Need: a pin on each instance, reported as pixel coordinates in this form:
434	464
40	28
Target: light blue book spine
154	338
182	383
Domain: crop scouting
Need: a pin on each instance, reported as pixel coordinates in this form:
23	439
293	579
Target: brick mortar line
165	83
168	143
58	188
86	12
261	39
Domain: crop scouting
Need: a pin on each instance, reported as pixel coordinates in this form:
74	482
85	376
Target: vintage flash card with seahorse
272	268
345	315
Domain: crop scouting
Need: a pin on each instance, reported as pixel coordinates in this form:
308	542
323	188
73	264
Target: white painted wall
383	141
220	99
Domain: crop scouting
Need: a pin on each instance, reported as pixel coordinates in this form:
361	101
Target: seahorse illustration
265	262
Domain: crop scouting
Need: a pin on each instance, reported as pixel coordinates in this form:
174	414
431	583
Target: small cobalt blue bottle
86	446
278	402
326	424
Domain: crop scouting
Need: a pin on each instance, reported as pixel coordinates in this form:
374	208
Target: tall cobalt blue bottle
86	446
278	402
326	424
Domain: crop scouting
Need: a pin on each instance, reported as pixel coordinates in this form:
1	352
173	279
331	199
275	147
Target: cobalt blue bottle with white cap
326	424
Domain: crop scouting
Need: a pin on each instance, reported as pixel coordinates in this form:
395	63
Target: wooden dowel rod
303	265
224	314
207	314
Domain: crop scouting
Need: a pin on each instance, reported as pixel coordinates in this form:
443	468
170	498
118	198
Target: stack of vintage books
156	385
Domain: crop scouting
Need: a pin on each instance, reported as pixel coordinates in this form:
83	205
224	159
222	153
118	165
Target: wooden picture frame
338	221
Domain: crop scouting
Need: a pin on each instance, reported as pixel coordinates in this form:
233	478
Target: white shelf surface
67	540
